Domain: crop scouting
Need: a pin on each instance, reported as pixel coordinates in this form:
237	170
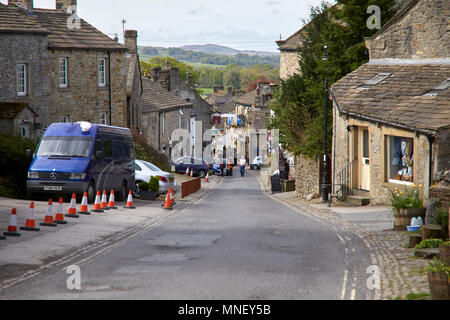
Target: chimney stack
64	4
26	4
131	41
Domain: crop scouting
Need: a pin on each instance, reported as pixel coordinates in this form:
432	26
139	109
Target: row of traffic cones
192	174
49	221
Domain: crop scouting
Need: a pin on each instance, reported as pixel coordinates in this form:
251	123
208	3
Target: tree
298	103
183	68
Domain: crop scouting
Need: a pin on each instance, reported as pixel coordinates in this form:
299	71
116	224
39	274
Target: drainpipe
109	85
430	171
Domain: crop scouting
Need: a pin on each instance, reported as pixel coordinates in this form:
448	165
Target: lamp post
325	162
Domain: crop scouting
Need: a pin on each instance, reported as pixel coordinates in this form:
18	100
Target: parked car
256	163
199	166
82	157
145	170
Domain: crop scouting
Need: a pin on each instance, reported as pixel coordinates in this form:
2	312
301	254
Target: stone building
63	68
392	115
289	54
163	113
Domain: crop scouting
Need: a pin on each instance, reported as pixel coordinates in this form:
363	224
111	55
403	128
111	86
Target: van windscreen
76	147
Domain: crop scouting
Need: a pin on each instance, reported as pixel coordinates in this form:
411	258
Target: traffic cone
207	177
172	196
97	205
112	203
167	203
187	171
12	228
48	220
30	224
59	216
104	203
84	205
130	201
192	172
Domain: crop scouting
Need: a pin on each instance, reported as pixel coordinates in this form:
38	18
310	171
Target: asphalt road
234	244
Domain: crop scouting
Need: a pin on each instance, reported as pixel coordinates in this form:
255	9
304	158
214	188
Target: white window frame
62	73
65	118
101	72
103	118
164	122
21	81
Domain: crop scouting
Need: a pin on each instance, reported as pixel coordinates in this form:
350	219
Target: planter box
148	195
402	217
439	288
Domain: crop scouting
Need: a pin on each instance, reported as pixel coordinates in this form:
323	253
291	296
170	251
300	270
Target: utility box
275	182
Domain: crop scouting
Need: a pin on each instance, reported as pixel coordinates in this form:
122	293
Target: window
102	72
374	81
64	119
21	79
103	118
107	149
62	70
180	117
439	88
400	159
164	122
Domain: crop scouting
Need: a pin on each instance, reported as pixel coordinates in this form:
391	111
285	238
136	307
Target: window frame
64	76
389	159
101	73
22	79
103	118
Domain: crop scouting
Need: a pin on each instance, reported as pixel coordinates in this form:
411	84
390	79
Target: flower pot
439	288
444	254
402	217
148	195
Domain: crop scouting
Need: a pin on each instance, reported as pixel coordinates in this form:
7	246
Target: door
365	159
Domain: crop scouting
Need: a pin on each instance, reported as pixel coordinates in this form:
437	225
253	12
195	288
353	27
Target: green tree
299	101
184	68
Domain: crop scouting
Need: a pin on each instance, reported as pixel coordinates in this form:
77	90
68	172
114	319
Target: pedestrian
243	162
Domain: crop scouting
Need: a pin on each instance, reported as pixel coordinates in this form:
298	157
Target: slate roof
247	99
292	43
156	98
54	22
399	99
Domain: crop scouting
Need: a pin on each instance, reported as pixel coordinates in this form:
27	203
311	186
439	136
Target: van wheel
91	192
123	192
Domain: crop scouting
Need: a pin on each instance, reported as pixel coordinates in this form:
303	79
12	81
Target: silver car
145	170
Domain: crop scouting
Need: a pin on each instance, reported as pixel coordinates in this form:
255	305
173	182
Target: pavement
401	272
89	232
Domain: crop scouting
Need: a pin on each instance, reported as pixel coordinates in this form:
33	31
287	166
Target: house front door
364	181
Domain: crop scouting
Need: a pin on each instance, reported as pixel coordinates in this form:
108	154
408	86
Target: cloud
273	3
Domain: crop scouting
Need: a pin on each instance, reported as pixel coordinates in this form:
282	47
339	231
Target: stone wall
30	49
442	194
344	149
307	176
414	37
288	64
83	99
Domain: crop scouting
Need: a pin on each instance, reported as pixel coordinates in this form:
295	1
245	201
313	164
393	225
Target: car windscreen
77	147
151	167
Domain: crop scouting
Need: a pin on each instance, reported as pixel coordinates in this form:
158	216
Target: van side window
107	149
129	152
117	150
97	148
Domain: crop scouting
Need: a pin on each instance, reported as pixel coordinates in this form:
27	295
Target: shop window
400	159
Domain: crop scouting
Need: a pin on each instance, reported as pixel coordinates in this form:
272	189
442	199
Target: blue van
82	157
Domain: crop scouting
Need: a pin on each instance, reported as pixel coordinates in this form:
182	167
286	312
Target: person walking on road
242	163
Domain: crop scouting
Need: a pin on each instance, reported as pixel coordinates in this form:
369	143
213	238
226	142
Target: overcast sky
240	24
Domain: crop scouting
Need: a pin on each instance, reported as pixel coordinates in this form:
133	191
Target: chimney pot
65	4
26	4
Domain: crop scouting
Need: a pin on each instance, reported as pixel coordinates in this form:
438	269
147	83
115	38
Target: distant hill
221	56
218	49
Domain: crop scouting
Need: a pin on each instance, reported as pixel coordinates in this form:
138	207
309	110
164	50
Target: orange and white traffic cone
167	203
72	212
48	220
104	202
130	204
97	205
12	228
30	224
112	202
59	216
172	196
84	205
207	177
187	171
192	173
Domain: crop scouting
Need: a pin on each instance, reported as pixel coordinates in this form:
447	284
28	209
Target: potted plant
149	190
438	280
406	204
444	252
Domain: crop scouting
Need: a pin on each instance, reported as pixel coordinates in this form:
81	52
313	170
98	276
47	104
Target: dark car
199	166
